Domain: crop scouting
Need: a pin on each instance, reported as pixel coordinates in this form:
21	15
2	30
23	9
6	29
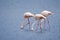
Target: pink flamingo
38	17
27	15
46	14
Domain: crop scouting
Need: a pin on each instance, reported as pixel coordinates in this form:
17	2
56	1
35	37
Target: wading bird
38	17
46	14
27	15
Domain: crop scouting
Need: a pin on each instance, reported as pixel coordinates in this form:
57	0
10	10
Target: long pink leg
32	28
28	23
37	27
44	23
48	23
40	26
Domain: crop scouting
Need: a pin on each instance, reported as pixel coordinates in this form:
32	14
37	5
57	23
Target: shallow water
11	16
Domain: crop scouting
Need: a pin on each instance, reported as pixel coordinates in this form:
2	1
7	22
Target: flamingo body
28	15
46	13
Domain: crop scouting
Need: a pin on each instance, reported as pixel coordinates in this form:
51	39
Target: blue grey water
11	16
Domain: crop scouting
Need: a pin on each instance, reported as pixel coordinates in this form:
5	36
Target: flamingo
38	17
27	15
46	14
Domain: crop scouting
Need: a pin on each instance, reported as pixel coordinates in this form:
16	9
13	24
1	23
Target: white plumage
46	13
28	14
39	16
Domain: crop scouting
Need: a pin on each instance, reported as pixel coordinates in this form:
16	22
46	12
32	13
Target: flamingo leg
40	26
48	23
37	27
33	25
44	23
28	23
